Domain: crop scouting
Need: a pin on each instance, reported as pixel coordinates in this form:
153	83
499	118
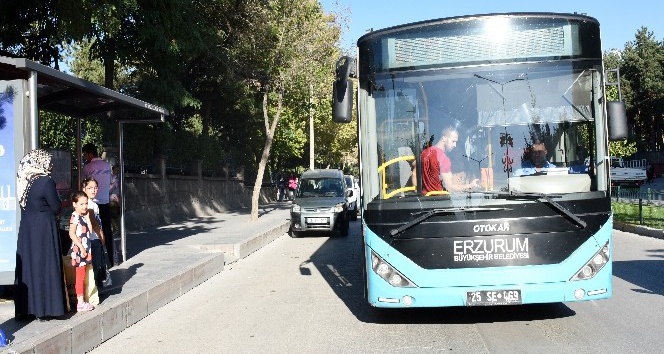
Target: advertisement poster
8	198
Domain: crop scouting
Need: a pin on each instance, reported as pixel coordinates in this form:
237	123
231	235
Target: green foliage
57	132
289	56
653	215
641	65
208	62
623	148
30	29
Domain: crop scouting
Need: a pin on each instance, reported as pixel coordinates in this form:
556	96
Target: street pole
311	130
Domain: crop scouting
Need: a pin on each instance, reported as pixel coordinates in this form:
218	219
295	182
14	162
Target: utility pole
311	129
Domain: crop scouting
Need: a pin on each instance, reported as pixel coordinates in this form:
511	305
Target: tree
227	70
292	48
642	69
641	65
31	29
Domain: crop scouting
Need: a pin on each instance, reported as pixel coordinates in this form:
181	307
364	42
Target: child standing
79	232
90	187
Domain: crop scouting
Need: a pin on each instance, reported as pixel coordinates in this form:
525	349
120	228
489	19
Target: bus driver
536	161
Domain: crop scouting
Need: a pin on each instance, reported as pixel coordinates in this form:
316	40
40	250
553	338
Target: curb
638	229
243	249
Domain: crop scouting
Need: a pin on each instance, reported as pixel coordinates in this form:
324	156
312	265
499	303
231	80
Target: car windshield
320	187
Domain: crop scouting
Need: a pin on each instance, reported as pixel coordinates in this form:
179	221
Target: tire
295	234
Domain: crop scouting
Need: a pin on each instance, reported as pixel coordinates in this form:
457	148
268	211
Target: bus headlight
388	273
594	265
395	279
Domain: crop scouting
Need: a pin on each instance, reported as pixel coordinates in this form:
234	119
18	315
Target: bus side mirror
617	120
342	92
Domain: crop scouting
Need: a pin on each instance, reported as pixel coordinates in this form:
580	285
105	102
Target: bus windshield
520	128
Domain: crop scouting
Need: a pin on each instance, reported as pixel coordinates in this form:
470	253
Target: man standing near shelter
100	170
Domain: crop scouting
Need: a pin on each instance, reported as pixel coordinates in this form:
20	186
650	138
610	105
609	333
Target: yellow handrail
386	195
381	170
396	191
436	193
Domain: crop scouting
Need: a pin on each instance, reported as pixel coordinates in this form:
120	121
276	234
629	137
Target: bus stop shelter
61	93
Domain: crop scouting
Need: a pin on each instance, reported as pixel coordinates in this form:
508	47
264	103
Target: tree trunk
109	64
206	111
269	134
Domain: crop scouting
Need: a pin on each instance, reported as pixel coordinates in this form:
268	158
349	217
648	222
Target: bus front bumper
381	294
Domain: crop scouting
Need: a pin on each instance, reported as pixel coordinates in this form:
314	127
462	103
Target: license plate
493	297
317	220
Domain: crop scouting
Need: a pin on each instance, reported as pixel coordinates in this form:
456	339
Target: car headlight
295	208
339	208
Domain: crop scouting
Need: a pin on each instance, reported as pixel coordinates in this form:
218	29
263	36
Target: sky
619	20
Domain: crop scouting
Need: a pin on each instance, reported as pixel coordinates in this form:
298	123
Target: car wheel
295	234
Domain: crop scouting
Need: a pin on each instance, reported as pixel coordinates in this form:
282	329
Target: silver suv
320	203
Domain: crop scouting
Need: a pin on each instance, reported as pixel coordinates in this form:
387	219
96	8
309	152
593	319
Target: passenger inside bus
582	162
437	167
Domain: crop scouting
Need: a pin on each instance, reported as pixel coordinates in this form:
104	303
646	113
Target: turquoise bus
476	223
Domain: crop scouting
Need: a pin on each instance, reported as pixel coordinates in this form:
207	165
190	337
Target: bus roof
397	28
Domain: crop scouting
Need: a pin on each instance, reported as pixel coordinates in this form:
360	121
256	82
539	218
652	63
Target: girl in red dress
80	224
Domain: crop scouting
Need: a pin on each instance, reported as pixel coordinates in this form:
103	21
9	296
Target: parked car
320	203
351	185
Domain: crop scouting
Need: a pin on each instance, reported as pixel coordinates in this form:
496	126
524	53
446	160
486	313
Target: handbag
91	293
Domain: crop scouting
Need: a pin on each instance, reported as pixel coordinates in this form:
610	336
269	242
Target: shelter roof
66	94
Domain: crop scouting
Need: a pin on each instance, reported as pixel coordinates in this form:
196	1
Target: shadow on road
647	274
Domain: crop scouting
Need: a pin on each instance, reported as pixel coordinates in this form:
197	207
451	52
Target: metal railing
640	196
633	195
642	163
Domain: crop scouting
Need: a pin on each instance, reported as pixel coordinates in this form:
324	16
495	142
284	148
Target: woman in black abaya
39	286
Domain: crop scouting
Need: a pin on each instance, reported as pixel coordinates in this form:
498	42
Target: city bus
504	83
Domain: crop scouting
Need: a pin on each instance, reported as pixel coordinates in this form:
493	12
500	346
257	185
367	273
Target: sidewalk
638	229
162	264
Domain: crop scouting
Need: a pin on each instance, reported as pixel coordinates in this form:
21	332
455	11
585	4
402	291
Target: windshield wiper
545	198
427	214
